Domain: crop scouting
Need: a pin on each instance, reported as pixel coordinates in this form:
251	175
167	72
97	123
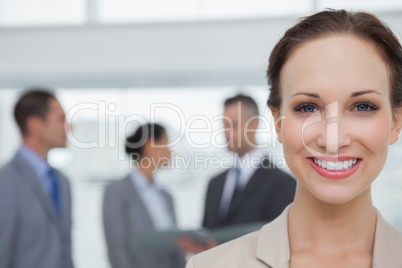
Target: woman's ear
396	125
276	113
147	149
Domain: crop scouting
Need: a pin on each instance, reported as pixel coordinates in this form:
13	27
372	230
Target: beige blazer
269	247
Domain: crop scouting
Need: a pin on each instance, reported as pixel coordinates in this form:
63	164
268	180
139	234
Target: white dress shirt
154	200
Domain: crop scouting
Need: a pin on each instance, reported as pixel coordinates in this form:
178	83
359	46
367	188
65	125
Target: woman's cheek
291	133
370	132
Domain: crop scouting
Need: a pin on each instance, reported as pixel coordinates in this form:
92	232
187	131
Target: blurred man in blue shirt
35	199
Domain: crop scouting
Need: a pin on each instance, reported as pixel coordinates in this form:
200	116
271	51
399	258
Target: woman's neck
331	229
147	172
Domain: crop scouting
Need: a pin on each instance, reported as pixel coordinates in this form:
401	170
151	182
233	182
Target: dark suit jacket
30	233
265	196
125	217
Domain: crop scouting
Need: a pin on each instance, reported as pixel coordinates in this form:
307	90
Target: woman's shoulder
240	252
118	186
387	244
385	232
268	247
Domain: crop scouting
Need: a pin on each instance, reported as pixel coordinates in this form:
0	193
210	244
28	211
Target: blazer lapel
169	205
273	242
27	175
136	200
216	198
387	245
64	219
248	191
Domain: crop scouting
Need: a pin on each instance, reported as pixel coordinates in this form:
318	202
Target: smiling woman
337	69
336	97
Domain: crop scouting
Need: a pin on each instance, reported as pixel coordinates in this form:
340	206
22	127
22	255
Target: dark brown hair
35	102
359	24
135	142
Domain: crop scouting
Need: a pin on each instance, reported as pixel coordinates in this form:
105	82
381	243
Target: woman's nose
334	134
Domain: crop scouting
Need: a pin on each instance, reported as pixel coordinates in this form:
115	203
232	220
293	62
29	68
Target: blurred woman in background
137	204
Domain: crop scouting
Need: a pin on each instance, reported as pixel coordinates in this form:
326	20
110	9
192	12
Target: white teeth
339	166
345	165
335	166
330	166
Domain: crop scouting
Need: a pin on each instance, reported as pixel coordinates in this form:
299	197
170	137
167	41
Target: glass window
158	10
42	12
254	8
366	5
111	11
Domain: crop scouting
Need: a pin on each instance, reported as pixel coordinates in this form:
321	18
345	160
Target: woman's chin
338	196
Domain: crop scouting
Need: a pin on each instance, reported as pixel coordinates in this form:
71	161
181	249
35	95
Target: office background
115	62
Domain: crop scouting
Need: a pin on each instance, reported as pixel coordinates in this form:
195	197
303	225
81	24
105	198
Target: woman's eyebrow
314	95
359	93
354	94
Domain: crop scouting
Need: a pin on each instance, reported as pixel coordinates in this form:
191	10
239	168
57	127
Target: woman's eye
365	107
307	108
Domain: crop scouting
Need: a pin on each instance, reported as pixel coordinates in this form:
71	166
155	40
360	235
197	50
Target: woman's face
337	121
157	152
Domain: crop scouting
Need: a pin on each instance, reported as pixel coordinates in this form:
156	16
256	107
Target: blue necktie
54	191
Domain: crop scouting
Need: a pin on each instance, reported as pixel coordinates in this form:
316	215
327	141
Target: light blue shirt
38	164
154	201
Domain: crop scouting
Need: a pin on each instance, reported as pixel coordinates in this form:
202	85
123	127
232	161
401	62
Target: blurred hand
188	245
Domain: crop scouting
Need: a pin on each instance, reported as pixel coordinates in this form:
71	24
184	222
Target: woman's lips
341	169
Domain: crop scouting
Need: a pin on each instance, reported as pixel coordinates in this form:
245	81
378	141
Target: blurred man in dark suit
253	190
